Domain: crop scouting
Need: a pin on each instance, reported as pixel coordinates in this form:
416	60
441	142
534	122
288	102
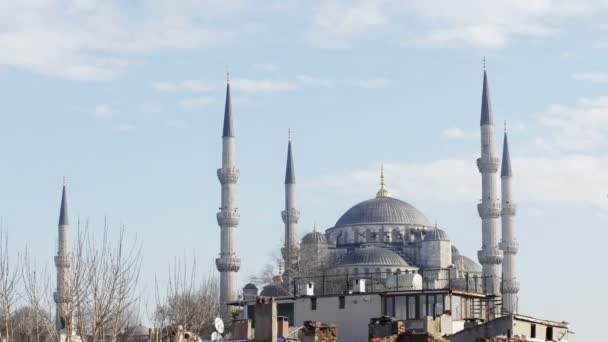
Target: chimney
283	326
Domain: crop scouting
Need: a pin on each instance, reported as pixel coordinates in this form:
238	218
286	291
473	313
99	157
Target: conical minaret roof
290	174
63	212
486	105
505	169
228	126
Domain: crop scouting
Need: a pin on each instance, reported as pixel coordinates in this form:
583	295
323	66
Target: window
411	307
390	307
342	300
439	305
549	334
313	303
422	306
400	307
431	299
533	330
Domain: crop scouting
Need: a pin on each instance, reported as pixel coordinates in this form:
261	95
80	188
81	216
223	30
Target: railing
378	282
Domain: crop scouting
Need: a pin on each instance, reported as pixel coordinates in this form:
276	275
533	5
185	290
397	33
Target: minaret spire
509	245
228	264
63	319
383	192
290	216
490	255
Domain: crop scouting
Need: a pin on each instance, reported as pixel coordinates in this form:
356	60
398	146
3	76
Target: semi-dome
314	237
373	256
464	261
274	290
435	235
383	210
250	286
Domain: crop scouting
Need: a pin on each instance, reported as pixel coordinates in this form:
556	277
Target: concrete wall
506	325
352	321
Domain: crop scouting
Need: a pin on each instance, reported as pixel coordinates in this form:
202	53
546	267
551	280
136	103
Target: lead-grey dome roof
435	235
373	256
383	210
469	264
273	290
314	238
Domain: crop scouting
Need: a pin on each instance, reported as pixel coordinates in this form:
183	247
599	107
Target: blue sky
126	101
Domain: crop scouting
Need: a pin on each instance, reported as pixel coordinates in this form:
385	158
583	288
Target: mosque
383	240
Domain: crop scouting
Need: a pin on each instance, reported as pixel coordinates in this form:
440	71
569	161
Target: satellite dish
219	325
215	336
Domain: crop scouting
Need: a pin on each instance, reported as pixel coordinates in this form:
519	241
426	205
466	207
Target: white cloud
177	124
484	24
458	134
261	86
123	127
326	82
266	67
98	40
580	128
595	76
195	102
194	86
102	111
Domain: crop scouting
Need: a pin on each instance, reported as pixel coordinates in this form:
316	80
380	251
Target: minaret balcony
509	247
508	209
228	218
291	215
491	257
488	210
510	286
64	297
62	261
488	164
228	175
228	263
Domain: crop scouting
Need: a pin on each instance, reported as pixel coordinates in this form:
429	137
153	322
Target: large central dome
383	210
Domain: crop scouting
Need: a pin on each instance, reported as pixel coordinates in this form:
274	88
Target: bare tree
189	302
38	296
9	281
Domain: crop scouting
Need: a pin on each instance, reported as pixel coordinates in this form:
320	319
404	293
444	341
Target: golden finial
505	126
484	63
227	74
383	192
289	134
64	181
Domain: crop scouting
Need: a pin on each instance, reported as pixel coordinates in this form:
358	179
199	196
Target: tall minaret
290	216
62	262
509	245
228	217
490	255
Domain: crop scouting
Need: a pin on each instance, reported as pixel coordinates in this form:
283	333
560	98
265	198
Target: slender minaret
509	245
228	264
490	255
62	262
290	216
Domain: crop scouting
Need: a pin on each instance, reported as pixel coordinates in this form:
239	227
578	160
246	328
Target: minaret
509	245
62	262
290	216
228	264
490	255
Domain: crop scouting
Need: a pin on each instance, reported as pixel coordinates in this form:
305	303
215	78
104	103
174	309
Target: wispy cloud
594	76
194	86
459	134
123	127
248	85
327	82
195	102
102	111
266	67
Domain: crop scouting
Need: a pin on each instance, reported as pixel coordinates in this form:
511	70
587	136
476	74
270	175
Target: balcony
489	210
291	216
228	218
488	165
228	175
228	263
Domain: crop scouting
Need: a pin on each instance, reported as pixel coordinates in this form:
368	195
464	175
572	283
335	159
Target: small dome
383	210
467	263
436	234
314	237
274	290
373	256
250	286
